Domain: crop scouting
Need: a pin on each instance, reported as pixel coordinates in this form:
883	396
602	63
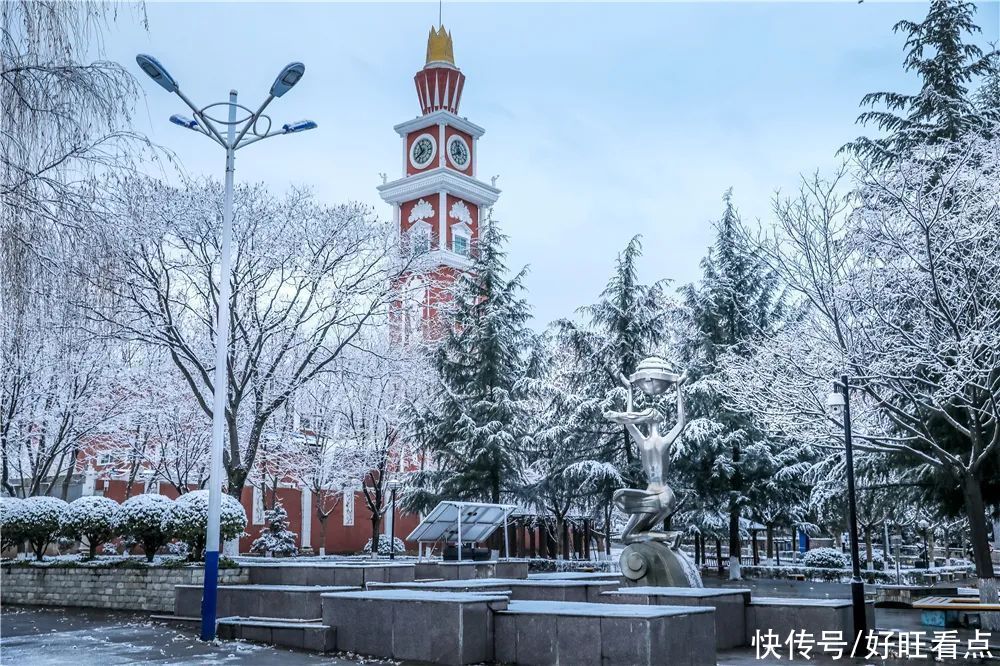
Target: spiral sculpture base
655	564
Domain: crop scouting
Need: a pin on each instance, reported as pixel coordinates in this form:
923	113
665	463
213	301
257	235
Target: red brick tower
438	200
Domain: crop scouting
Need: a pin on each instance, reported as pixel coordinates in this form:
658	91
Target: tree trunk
376	522
753	545
322	531
868	548
770	541
607	528
975	511
734	536
718	555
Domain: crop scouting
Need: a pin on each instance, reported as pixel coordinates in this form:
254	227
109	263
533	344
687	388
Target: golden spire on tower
439	46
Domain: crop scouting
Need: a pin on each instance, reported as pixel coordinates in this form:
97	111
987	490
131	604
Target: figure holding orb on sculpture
652	554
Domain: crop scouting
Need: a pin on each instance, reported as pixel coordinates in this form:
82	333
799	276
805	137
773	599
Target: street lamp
839	404
394	485
925	528
235	138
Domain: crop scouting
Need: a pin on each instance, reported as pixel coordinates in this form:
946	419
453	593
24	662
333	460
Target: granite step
313	635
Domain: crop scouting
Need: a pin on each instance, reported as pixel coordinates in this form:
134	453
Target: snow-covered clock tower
438	200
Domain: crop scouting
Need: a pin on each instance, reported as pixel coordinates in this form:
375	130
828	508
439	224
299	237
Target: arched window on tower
419	237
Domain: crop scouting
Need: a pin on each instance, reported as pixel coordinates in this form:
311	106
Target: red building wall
340	538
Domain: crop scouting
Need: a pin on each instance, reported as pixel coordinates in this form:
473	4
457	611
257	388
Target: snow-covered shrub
39	520
64	544
826	558
91	517
383	545
109	549
276	537
188	520
178	548
11	531
141	519
879	560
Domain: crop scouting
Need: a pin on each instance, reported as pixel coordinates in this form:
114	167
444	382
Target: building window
104	459
460	245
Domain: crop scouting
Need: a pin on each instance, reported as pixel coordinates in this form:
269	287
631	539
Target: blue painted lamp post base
208	597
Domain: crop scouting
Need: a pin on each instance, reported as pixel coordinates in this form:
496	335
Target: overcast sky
602	120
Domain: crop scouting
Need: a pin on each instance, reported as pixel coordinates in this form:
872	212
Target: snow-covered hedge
383	545
10	522
39	521
91	517
826	558
188	520
814	573
276	537
141	519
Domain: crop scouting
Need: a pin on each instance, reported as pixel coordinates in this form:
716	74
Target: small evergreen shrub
383	546
276	537
826	558
39	521
91	517
141	519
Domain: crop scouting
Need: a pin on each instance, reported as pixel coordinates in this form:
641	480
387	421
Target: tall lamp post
236	136
925	529
839	403
394	485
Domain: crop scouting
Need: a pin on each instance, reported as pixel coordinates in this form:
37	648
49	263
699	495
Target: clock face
458	152
422	151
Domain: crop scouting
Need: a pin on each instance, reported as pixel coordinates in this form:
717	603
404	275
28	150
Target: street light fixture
213	127
925	528
394	485
839	404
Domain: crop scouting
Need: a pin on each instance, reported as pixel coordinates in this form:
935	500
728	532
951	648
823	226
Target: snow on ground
62	636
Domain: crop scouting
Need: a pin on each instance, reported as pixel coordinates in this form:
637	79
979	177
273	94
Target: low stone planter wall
133	588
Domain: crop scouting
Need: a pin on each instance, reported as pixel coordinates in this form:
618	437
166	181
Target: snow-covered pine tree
625	325
724	458
275	537
474	427
569	467
943	110
628	322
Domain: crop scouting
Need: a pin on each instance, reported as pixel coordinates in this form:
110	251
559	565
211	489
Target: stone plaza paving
33	636
455	621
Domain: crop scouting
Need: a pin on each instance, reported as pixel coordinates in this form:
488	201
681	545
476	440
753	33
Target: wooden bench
797	576
952	611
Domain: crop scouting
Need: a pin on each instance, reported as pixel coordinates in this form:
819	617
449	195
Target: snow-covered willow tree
307	280
901	294
65	120
473	425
